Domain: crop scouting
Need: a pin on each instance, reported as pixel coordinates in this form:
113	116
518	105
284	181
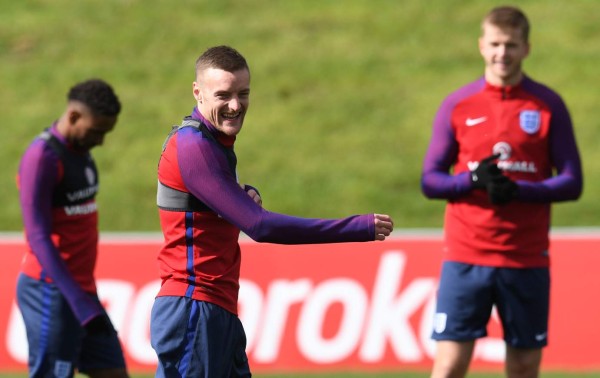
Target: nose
502	50
235	104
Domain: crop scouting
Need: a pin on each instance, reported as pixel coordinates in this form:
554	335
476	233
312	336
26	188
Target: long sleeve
205	172
437	181
567	183
38	173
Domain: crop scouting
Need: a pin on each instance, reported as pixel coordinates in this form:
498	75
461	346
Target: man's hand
384	225
100	325
255	196
485	172
501	190
253	193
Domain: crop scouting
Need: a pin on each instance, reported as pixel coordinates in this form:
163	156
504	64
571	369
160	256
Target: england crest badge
530	121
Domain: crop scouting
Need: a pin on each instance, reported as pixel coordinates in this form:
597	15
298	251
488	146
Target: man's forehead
217	74
493	30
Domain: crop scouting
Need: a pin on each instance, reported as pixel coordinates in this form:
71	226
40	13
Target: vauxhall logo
504	163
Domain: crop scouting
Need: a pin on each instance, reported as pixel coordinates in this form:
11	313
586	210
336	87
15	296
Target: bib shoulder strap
53	143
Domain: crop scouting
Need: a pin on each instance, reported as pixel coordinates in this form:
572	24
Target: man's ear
196	91
480	45
73	115
528	49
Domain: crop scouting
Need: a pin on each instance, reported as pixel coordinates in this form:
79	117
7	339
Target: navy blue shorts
57	343
467	294
197	339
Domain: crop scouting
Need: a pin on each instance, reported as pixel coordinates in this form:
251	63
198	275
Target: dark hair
509	17
97	95
222	57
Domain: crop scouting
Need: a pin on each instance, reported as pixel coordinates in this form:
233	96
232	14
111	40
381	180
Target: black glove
485	172
100	325
501	190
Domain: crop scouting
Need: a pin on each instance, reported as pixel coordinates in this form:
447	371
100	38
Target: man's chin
231	130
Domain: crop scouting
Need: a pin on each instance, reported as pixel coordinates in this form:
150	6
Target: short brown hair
508	17
222	57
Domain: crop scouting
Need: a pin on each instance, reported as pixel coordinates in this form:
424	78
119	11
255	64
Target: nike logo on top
475	121
540	336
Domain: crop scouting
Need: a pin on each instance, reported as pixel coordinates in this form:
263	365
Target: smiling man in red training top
502	150
195	330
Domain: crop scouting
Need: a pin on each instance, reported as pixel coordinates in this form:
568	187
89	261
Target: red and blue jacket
530	127
57	189
202	210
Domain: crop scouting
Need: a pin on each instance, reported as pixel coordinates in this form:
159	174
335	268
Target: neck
62	126
504	82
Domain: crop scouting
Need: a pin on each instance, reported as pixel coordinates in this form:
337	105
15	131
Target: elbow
259	237
427	192
267	232
267	237
576	189
258	232
425	188
577	193
571	192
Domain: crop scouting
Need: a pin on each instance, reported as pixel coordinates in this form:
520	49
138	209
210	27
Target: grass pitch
343	93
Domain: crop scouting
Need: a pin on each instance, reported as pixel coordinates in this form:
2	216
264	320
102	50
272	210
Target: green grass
343	96
343	93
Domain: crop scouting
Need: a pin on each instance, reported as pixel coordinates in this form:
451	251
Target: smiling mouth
231	116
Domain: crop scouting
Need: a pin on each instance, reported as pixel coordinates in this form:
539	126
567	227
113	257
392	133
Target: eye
222	95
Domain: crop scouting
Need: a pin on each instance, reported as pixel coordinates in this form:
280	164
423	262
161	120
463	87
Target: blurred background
343	93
